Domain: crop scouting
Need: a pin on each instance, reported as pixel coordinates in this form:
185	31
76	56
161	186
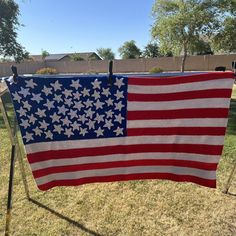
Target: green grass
123	208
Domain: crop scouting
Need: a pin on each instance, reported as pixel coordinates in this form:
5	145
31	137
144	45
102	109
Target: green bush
46	70
154	70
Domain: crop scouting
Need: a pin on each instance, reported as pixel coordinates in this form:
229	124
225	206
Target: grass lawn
123	208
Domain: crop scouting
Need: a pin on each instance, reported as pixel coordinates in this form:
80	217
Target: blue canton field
122	208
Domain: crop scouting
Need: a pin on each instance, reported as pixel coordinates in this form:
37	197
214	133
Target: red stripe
118	164
180	79
145	176
126	149
209	93
177	131
180	113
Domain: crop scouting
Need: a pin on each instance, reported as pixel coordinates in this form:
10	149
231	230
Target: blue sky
60	26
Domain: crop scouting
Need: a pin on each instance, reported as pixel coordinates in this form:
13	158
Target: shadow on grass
231	128
69	220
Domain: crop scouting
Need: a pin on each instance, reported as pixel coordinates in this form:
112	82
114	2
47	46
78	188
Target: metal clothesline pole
230	179
10	185
16	153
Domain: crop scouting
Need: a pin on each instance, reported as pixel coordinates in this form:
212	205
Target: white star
66	121
75	84
16	97
83	131
48	134
76	95
68	101
99	132
49	104
91	124
30	84
47	90
119	94
67	93
21	111
118	106
88	103
26	105
119	82
78	105
25	124
109	113
56	85
119	118
82	118
58	129
55	117
96	84
68	132
72	114
37	131
32	119
109	102
98	104
108	124
62	110
118	131
36	97
28	137
96	94
41	113
57	98
99	118
85	92
106	92
24	92
75	126
89	113
43	125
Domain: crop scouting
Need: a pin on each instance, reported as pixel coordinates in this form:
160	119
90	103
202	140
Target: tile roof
59	56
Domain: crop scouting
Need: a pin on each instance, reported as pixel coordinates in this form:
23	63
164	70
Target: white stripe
181	104
206	174
195	122
128	157
105	142
195	86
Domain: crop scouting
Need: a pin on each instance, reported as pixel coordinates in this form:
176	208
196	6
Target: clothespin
15	74
110	73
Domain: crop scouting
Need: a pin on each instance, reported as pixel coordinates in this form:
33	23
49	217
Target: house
86	56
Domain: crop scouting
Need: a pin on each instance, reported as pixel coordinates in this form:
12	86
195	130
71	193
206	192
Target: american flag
78	129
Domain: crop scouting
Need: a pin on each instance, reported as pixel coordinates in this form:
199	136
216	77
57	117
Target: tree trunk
183	60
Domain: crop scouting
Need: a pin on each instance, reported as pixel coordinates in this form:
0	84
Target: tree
181	24
129	50
201	47
106	53
6	59
44	54
151	50
9	47
224	39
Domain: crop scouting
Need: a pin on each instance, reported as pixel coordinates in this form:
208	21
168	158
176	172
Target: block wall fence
142	65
